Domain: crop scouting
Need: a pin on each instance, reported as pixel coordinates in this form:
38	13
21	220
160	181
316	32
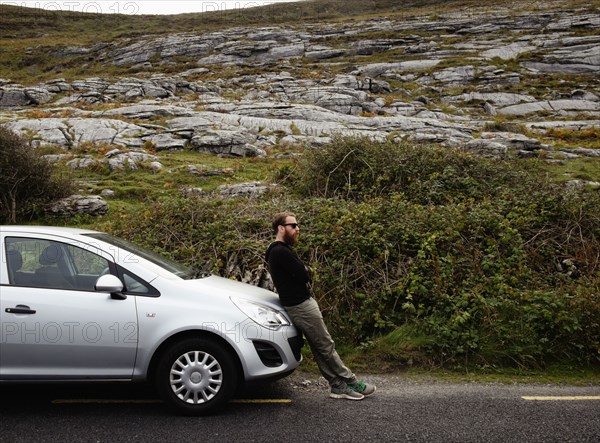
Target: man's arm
284	264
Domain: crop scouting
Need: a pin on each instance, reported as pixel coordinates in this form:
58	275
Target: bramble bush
27	180
422	253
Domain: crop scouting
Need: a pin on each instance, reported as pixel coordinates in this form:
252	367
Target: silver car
83	305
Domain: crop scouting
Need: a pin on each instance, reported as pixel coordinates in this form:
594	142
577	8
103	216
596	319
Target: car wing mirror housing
111	284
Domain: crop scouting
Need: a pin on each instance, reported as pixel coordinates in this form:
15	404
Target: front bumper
270	354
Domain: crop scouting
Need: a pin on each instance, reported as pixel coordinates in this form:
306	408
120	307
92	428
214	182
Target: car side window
135	285
49	264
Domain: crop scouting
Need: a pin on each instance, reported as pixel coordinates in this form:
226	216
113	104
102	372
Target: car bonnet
227	287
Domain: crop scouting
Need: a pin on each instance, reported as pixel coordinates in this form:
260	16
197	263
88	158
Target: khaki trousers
308	318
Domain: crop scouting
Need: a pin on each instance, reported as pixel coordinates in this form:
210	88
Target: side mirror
110	283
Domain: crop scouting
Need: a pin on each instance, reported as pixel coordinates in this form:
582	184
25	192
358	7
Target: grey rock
498	78
112	153
565	22
279	52
251	189
166	47
54	158
508	52
75	131
581	184
235	52
58	85
576	125
338	99
224	142
584	152
129	160
362	84
83	163
495	98
165	141
12	96
205	171
79	204
522	153
39	95
551	105
488	108
377	69
405	109
561	68
192	192
460	75
132	88
193	169
513	140
584	95
370	47
155	166
486	148
570	60
189	124
322	54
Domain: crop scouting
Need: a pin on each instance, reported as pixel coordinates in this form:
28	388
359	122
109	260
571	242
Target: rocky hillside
499	81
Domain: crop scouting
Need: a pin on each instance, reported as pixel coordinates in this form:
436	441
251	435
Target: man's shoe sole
345	396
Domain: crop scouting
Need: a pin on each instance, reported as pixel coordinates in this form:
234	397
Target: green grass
373	362
134	187
551	375
587	169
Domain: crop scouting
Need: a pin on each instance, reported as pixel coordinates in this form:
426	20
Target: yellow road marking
89	401
562	398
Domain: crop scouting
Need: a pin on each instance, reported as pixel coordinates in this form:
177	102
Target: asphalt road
298	409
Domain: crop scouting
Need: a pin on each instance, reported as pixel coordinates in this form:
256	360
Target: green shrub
472	279
357	168
27	180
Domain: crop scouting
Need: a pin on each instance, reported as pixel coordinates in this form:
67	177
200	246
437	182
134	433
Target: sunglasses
293	225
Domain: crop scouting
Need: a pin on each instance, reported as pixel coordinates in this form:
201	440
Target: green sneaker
362	388
345	392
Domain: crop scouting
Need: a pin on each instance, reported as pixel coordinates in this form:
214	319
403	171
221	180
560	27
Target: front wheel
196	376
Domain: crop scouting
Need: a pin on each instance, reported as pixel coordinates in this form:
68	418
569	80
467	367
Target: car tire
196	376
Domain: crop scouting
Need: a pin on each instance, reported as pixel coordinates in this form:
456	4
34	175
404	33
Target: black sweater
290	276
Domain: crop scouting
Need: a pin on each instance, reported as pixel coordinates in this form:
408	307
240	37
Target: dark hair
279	220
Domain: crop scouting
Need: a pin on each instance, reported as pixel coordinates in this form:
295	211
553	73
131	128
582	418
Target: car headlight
261	314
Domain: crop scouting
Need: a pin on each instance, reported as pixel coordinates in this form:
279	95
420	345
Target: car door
53	323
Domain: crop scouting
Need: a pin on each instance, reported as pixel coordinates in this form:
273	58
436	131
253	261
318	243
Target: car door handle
20	309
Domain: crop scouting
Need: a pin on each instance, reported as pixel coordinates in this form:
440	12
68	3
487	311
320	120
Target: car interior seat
53	270
15	263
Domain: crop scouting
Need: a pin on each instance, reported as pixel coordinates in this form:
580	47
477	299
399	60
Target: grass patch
549	86
585	168
376	360
568	137
551	375
137	186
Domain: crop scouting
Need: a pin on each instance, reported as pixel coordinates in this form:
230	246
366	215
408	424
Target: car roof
22	229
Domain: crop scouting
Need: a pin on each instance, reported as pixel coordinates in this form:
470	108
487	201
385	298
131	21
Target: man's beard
290	239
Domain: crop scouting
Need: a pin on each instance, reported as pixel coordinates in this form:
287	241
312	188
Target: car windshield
163	262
